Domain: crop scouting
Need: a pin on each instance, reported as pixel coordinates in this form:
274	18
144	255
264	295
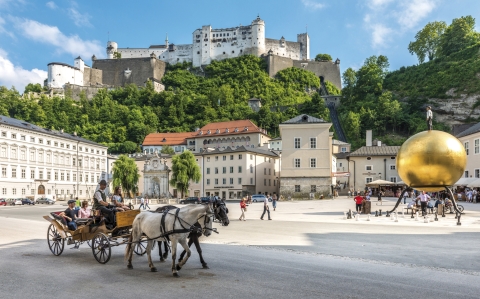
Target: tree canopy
184	169
125	174
459	35
427	41
322	57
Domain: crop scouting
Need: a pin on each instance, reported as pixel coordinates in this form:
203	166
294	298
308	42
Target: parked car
15	202
26	201
205	199
3	202
45	200
190	200
259	198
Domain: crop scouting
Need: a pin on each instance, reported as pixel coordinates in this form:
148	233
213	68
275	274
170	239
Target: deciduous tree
125	174
184	169
427	41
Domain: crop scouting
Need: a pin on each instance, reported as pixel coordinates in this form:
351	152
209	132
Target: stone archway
41	190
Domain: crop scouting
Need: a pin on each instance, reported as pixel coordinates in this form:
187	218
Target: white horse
178	223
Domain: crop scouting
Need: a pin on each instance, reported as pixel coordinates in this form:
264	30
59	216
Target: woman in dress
117	200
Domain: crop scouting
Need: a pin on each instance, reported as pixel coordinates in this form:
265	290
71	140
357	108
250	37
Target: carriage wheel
101	248
89	243
55	241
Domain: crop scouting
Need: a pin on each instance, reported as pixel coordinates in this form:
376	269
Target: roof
28	126
240	149
335	141
166	138
375	151
341	155
304	118
64	64
276	138
472	130
229	128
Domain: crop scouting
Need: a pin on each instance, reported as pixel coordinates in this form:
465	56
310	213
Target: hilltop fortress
137	65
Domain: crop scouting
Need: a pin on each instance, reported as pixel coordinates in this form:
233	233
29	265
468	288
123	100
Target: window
216	181
49	175
48	142
86	178
466	173
264	182
62	145
56	176
264	171
14	136
32	156
239	169
4	191
313	188
40	157
466	146
477	173
231	180
477	150
297	188
68	146
239	181
40	140
40	174
49	158
68	176
251	157
368	180
297	142
24	174
251	181
231	157
23	191
274	182
216	170
393	179
23	155
92	180
216	158
296	163
343	149
208	170
392	167
208	181
55	144
80	162
22	137
14	191
368	167
4	152
32	139
231	169
224	169
32	191
240	157
269	182
4	134
74	161
74	177
14	172
313	162
14	153
224	181
251	168
313	142
208	159
80	177
224	158
32	174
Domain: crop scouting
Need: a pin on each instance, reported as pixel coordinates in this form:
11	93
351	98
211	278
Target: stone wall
92	77
114	70
276	63
75	91
287	186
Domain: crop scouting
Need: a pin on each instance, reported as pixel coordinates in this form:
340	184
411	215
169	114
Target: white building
37	162
210	44
60	74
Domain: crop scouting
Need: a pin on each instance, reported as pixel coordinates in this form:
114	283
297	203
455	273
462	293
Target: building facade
306	161
470	139
37	162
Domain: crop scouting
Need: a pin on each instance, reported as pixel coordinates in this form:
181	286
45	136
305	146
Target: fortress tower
304	41
258	37
112	47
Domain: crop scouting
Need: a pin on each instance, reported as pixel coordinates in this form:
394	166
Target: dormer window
236	129
245	129
164	139
217	131
208	132
226	130
200	133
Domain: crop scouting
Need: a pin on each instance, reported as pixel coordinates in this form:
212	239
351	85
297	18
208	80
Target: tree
459	35
323	57
168	150
117	55
427	41
184	169
125	174
33	88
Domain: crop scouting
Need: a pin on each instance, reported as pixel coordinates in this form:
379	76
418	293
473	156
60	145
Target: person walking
424	199
266	209
243	208
358	203
142	203
274	201
146	204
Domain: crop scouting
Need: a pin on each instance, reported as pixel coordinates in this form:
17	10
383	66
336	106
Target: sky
34	33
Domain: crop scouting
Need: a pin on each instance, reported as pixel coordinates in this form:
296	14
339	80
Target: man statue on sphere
429	118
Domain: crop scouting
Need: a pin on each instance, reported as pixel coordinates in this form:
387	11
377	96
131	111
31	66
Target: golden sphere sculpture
431	160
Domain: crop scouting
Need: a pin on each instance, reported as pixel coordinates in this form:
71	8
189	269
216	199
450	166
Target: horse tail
134	236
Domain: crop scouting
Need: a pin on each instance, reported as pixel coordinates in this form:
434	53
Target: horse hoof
205	266
176	275
165	255
130	267
179	268
162	260
153	269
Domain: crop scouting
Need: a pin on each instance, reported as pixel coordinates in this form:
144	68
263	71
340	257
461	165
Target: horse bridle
221	206
207	220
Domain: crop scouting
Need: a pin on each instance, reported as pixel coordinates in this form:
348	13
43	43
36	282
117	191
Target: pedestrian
146	204
274	201
78	203
424	199
266	209
404	198
142	203
358	203
379	195
243	208
349	193
429	118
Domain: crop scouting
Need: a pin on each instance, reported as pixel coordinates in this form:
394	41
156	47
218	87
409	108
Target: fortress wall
329	70
92	77
76	90
277	63
290	50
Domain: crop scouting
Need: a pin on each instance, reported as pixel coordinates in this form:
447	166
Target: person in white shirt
424	199
469	195
142	203
429	118
266	209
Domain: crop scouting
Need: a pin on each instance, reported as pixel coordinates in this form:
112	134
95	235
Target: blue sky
35	32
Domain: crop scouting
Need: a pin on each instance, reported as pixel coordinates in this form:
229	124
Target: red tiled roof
167	138
220	128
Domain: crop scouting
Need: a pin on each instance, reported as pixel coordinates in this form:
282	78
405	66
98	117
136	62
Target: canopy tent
465	181
474	183
380	183
400	183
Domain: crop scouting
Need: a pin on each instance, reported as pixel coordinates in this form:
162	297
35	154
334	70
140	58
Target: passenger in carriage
117	200
84	210
70	215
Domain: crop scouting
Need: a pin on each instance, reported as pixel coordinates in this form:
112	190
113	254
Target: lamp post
166	181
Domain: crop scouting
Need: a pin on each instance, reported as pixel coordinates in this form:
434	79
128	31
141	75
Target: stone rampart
322	186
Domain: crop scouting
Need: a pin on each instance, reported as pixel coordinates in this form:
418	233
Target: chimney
379	143
369	138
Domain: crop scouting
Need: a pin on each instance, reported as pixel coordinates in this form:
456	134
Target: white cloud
53	36
313	4
413	12
11	75
78	18
378	4
381	35
51	5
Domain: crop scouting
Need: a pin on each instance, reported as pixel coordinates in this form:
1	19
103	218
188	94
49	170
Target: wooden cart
94	233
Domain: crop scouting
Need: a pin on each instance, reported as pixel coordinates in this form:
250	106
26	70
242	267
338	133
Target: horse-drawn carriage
94	232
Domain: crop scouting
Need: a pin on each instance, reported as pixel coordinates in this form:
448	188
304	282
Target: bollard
443	211
388	214
396	217
344	215
380	213
458	220
349	214
376	213
368	217
425	219
416	216
357	217
436	216
403	212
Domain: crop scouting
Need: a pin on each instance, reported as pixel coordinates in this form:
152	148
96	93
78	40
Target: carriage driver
100	203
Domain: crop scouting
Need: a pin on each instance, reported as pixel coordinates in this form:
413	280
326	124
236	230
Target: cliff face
456	109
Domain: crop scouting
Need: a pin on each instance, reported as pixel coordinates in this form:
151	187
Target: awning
400	183
464	181
380	183
340	174
475	183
